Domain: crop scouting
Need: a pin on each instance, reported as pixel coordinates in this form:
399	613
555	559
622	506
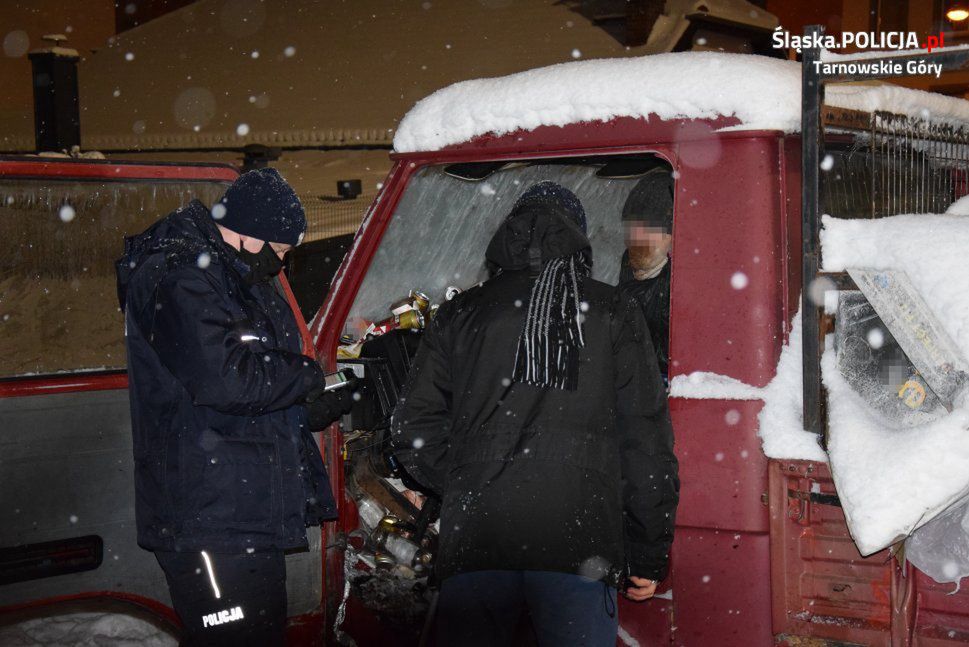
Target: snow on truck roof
762	93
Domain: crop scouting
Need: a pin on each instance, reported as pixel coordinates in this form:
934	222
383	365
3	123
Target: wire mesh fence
895	165
327	217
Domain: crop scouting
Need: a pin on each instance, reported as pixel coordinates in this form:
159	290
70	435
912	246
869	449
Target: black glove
326	407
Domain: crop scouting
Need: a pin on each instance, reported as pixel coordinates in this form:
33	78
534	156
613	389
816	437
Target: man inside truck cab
223	400
647	219
536	410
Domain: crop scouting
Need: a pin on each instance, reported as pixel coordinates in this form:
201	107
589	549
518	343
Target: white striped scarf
548	348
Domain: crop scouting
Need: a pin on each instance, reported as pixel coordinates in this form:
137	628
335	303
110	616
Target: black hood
550	227
179	238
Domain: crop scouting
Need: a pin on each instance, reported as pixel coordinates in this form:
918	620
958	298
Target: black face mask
263	266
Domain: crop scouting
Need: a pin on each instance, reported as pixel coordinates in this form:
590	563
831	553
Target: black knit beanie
651	200
263	205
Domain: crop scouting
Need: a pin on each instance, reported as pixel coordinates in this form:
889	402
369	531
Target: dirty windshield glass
58	243
442	226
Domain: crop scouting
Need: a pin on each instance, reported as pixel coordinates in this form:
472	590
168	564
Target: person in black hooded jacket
223	400
535	409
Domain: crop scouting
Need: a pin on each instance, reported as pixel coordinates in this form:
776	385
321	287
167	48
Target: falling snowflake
876	338
242	130
218	211
289	52
204	260
576	53
950	570
739	281
66	213
16	43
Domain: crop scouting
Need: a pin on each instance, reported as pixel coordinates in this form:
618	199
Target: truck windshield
443	224
58	242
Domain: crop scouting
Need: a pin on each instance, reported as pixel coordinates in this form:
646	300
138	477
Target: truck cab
762	553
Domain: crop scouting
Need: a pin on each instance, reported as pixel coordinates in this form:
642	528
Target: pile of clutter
412	312
386	542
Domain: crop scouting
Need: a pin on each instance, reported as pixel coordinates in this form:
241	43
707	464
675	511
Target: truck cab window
58	243
447	215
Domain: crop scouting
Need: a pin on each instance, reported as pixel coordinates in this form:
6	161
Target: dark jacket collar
182	236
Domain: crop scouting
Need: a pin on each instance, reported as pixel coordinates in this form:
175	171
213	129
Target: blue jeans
484	608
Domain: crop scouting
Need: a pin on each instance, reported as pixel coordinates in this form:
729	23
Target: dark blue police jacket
224	460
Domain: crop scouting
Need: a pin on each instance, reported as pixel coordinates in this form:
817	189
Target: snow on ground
892	479
85	630
761	92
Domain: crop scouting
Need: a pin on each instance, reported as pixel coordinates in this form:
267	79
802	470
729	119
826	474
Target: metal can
421	301
411	320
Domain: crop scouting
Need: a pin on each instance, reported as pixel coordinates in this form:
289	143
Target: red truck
762	554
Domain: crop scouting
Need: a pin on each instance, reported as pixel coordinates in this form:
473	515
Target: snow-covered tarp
894	478
761	93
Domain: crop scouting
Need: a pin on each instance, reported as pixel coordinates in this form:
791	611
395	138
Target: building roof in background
306	73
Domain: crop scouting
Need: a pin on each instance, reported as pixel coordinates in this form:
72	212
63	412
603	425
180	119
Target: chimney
57	122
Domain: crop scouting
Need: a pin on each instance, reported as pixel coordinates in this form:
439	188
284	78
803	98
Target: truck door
67	527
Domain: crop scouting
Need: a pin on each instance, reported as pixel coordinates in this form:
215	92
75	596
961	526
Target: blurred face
648	244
